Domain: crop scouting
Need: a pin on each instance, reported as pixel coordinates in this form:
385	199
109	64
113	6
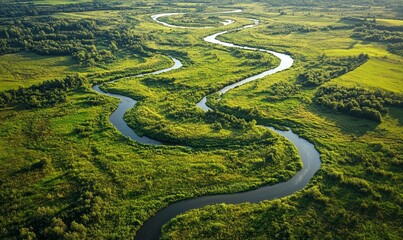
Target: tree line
326	68
392	36
29	8
371	31
358	102
48	93
363	29
277	29
83	39
223	120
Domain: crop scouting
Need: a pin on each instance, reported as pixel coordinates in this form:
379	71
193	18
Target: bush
325	69
282	90
390	35
358	102
46	94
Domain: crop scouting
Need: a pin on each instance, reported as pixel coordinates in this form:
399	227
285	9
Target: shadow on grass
396	113
352	45
347	124
36	166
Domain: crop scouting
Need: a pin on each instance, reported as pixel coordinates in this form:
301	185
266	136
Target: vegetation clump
327	68
48	93
84	39
67	173
278	29
22	8
358	102
224	120
282	90
392	36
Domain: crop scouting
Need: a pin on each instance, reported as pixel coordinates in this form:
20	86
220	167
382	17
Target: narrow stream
151	229
126	103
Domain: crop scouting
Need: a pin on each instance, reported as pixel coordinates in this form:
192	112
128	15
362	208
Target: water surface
126	103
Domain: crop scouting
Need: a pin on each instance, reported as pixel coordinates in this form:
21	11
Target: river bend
310	157
126	103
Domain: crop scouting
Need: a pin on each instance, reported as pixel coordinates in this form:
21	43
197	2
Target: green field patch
25	69
376	73
390	22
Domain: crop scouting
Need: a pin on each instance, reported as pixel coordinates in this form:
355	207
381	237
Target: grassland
26	69
69	174
80	169
354	152
87	160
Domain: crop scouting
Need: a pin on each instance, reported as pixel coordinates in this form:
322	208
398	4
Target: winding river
126	103
151	229
225	23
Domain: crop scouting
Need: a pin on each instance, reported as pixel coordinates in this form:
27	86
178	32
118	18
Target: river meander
310	157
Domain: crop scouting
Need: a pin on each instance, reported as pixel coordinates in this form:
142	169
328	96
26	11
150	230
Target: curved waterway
225	23
126	103
151	229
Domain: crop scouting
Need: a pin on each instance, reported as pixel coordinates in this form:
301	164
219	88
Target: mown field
67	173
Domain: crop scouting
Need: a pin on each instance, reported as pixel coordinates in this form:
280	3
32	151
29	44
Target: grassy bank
356	194
69	174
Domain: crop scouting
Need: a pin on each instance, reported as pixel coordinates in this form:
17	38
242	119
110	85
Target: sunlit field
69	173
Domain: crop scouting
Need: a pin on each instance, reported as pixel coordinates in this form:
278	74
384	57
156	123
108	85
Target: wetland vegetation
67	173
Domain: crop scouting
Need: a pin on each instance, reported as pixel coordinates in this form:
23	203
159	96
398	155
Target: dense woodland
24	8
82	39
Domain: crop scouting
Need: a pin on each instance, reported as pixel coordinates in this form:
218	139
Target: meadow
361	158
67	173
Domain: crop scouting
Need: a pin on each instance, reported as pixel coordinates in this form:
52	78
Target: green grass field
25	69
348	146
69	174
